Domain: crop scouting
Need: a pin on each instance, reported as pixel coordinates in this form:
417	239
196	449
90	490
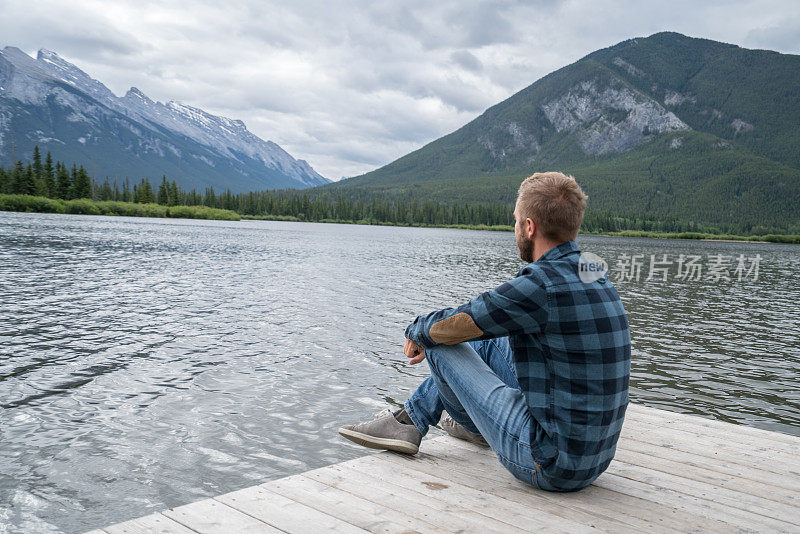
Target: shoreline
785	239
35	204
85	206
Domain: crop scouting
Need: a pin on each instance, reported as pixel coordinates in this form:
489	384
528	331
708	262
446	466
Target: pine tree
104	192
209	199
81	185
28	181
3	180
163	192
143	193
127	196
37	172
63	182
49	176
37	163
73	179
18	180
174	194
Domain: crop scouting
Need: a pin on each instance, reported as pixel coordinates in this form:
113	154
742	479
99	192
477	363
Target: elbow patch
455	329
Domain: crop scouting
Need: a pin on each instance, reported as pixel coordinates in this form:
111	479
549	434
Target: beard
525	247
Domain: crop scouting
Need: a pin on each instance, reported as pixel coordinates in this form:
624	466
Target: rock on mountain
50	102
614	118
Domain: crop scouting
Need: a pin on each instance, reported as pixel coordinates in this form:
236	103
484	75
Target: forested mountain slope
666	126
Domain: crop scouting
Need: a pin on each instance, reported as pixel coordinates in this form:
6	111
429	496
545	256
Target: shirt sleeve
515	307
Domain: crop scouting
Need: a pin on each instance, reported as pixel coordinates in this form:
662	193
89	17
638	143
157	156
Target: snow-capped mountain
50	102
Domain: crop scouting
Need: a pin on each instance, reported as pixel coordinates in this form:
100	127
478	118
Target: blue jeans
477	384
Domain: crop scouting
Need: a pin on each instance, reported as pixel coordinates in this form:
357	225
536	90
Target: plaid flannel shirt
571	346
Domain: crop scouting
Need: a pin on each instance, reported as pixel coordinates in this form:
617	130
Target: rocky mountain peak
134	92
50	90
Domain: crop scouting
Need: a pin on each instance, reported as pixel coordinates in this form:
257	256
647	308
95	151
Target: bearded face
525	246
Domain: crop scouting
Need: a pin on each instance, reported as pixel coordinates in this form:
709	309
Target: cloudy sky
352	85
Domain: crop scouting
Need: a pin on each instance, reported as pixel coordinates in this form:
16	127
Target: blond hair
555	202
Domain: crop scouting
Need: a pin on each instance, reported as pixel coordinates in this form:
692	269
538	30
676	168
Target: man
538	367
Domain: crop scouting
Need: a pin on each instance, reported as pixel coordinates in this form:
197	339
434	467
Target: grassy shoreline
289	218
791	239
767	238
28	203
84	206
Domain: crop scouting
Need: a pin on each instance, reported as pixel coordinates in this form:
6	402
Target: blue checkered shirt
571	346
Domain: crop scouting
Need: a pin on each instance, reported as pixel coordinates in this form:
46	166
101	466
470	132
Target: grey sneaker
457	430
384	432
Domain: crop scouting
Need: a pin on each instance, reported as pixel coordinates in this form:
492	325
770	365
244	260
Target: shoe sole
372	442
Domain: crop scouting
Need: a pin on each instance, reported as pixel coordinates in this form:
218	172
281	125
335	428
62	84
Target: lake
148	363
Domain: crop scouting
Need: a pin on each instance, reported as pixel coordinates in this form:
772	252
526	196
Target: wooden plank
690	496
734	434
690	503
346	506
641	411
701	474
508	488
725	497
284	513
413	503
467	497
212	517
585	507
744	471
715	448
606	505
149	524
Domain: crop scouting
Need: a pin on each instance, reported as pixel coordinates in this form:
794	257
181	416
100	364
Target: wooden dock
672	472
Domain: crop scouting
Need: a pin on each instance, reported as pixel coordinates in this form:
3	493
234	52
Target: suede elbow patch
455	329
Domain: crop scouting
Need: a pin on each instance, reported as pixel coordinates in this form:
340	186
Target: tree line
46	179
58	181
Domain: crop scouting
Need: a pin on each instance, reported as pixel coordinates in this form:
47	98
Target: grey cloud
483	24
71	33
467	60
784	36
352	85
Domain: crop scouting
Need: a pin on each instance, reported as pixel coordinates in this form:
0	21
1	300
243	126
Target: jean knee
435	353
432	356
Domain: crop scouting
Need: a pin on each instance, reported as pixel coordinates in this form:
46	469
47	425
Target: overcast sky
351	86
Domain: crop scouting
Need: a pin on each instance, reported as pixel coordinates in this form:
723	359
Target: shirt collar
559	251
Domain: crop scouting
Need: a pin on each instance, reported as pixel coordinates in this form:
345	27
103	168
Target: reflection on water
149	363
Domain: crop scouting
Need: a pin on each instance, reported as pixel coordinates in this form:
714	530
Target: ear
529	228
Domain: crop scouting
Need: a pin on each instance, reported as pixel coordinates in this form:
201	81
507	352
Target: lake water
149	363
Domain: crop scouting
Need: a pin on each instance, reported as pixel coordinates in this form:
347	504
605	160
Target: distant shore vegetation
47	186
85	206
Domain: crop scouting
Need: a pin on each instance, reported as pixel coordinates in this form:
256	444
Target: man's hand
413	351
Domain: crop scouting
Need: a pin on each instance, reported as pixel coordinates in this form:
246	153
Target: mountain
50	102
663	127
